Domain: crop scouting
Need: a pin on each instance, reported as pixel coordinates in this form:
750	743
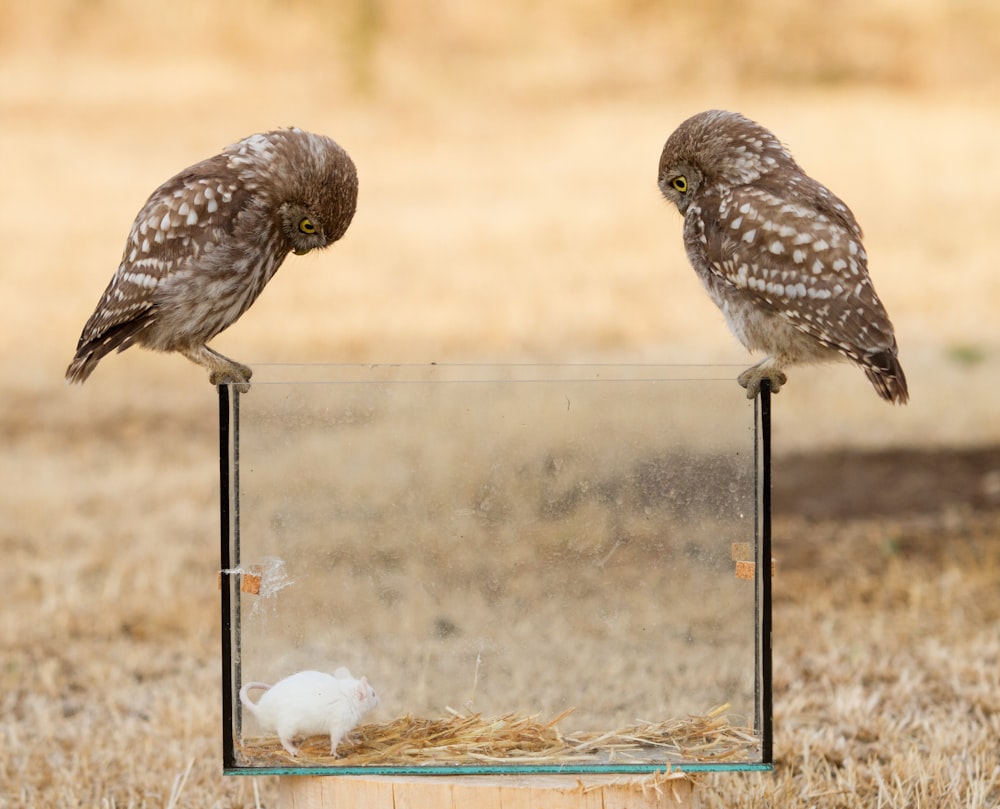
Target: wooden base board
673	790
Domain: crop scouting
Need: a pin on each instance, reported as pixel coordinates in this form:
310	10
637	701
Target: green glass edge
640	769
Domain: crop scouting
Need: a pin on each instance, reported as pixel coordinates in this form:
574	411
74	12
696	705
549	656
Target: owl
779	254
207	241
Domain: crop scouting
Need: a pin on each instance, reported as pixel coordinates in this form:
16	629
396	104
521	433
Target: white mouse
311	703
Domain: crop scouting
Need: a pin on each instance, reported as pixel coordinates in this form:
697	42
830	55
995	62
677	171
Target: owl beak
299	252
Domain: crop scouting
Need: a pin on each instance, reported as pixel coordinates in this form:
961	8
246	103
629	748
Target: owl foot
221	369
236	375
754	375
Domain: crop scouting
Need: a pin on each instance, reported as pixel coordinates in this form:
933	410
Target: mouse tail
245	693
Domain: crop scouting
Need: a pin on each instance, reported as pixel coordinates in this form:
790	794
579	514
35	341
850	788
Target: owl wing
189	214
803	260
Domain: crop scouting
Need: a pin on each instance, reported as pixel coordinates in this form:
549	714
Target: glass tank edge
633	769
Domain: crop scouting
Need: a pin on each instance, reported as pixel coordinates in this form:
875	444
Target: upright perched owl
780	255
208	240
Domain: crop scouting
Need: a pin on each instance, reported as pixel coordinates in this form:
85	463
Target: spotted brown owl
780	255
208	240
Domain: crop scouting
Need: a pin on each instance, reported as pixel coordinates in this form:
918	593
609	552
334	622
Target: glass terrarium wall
559	552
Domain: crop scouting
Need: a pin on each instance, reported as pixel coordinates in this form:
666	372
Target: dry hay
515	740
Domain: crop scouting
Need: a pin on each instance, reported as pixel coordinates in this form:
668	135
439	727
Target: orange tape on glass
250	583
741	554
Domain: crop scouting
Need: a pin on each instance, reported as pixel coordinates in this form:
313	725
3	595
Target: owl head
312	185
717	147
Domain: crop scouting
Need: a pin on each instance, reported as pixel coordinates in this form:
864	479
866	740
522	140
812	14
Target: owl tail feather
83	364
886	375
91	351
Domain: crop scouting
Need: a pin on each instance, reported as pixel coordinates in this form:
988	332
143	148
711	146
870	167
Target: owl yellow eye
680	184
306	226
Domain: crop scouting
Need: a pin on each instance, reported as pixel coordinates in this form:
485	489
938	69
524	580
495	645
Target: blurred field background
508	211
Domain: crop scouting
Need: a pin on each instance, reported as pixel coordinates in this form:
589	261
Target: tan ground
508	210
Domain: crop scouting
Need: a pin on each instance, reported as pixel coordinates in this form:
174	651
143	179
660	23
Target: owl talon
753	376
237	375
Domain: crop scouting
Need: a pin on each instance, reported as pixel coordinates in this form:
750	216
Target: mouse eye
680	184
306	226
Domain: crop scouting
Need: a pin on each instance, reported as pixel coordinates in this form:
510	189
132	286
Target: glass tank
484	569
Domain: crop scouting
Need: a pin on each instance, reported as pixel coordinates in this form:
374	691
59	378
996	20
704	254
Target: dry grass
508	210
514	740
887	684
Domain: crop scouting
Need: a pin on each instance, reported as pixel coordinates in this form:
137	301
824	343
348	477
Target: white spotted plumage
780	255
208	240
